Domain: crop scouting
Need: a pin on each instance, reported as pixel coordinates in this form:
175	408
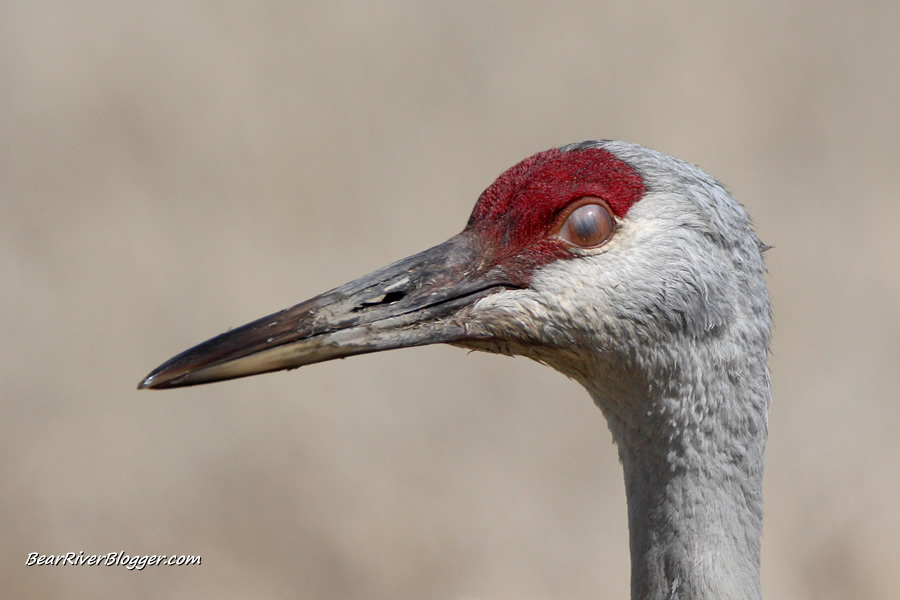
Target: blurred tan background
171	169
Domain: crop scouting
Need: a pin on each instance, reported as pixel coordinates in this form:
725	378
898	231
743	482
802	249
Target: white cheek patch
526	316
509	312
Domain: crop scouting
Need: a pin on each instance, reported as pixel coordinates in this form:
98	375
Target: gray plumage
666	325
668	330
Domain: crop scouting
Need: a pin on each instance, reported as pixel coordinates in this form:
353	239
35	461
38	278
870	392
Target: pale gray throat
692	453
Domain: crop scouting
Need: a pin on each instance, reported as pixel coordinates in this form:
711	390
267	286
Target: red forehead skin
513	217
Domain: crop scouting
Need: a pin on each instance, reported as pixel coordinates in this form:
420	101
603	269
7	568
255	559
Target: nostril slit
393	297
388	298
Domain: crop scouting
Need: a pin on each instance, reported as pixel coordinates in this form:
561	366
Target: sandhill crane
630	271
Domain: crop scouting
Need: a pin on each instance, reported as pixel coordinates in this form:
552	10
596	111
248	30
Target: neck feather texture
692	448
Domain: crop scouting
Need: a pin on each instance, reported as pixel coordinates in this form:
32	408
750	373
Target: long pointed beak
422	299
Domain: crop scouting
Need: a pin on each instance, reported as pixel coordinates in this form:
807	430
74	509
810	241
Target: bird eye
587	224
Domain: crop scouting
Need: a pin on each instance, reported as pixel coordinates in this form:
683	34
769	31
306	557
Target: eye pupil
588	225
584	222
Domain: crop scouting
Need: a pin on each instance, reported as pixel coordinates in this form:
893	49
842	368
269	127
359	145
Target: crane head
593	249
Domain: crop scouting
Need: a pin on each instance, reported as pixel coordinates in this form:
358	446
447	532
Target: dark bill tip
416	301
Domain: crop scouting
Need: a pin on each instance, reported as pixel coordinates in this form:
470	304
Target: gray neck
692	449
